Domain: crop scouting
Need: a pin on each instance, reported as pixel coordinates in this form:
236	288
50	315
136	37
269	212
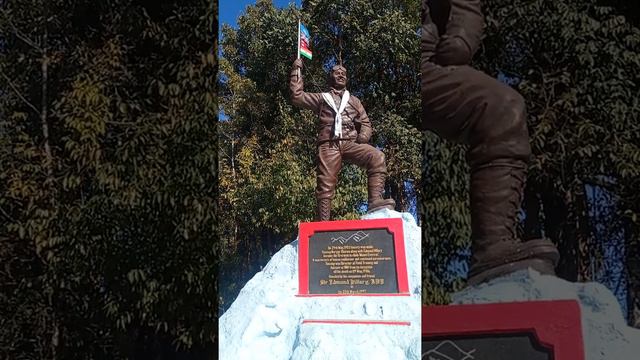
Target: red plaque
352	258
526	330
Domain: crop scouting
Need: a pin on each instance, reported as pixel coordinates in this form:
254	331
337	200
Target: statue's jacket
355	122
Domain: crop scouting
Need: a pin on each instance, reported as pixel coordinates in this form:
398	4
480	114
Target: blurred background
108	154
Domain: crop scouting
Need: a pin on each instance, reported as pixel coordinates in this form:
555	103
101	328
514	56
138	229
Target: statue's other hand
362	138
297	64
453	50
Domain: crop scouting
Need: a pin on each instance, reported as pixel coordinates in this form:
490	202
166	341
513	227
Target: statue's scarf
337	128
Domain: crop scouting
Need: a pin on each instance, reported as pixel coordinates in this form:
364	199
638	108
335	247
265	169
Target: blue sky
231	9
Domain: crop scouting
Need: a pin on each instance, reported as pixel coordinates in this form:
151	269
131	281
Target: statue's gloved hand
297	64
453	50
362	138
364	132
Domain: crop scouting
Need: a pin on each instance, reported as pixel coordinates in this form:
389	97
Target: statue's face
338	77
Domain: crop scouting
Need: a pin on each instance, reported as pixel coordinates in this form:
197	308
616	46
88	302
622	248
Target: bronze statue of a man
464	105
344	130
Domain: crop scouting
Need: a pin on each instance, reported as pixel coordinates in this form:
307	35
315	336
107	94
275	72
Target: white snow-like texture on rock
605	333
265	320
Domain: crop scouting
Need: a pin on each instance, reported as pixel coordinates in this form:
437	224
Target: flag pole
298	53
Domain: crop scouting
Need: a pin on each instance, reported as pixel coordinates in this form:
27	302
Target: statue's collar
335	91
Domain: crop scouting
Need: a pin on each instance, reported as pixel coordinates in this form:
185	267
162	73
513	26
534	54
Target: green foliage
578	72
109	233
267	152
575	63
446	224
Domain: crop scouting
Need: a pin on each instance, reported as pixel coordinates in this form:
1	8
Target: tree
107	172
575	64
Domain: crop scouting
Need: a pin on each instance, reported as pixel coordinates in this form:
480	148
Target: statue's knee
501	118
376	161
515	107
506	106
514	100
501	132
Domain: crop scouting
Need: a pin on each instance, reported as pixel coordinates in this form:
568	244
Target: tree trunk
56	337
557	227
531	206
397	191
568	223
584	235
45	106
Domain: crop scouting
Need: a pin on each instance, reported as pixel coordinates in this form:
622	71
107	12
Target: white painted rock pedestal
267	319
528	300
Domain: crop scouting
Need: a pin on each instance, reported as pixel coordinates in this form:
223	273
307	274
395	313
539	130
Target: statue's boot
323	211
496	193
376	191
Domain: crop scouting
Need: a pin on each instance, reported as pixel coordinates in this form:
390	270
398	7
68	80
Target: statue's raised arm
299	97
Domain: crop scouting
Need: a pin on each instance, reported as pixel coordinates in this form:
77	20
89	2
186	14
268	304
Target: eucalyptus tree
107	178
575	63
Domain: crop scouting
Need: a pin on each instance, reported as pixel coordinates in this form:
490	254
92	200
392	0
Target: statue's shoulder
355	102
354	98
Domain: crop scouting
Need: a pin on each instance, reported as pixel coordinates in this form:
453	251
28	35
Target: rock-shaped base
605	333
265	321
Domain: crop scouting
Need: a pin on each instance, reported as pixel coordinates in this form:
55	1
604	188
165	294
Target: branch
7	215
110	122
19	34
19	94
